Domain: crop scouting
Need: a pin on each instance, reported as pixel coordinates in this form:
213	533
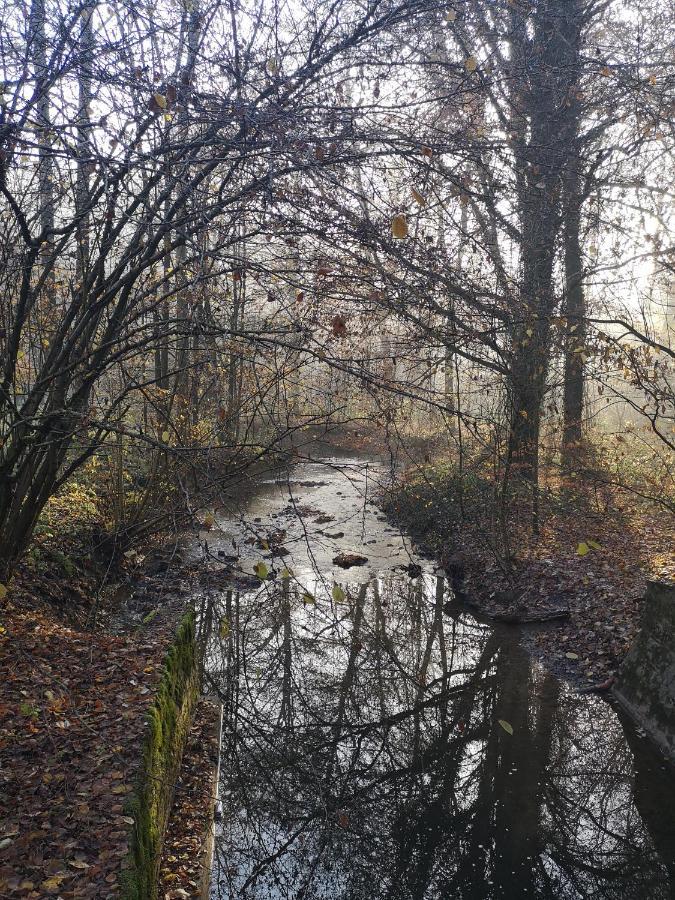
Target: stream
379	741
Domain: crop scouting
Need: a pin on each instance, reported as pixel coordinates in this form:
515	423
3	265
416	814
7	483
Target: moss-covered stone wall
168	724
646	685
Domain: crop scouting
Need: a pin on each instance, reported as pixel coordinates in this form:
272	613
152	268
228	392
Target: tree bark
545	62
45	160
575	335
84	80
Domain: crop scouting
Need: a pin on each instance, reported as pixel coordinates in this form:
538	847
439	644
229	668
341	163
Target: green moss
168	723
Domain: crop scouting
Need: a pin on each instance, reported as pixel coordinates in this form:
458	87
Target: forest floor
75	695
586	569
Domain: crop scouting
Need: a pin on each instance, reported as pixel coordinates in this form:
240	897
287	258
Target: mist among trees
222	222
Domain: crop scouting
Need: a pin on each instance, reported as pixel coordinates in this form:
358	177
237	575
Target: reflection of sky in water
363	754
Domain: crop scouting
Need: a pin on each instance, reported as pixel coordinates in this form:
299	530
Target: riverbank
72	718
88	640
382	739
577	586
81	683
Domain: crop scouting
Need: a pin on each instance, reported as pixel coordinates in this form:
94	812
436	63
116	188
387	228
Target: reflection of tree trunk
436	631
440	629
519	774
654	797
287	657
347	679
380	642
423	824
228	652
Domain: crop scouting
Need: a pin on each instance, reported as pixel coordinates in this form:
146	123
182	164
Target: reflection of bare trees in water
363	758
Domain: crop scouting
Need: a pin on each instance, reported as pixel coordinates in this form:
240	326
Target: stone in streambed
347	560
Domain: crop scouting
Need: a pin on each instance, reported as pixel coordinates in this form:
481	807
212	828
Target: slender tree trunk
45	160
82	199
451	388
38	43
185	300
575	336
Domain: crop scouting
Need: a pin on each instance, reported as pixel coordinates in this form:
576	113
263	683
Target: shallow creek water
387	744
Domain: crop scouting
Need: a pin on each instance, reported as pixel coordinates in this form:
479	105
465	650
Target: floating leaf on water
399	226
261	570
507	726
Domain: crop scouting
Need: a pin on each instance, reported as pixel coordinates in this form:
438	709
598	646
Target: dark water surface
367	745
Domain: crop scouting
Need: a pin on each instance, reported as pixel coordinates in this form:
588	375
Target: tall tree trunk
451	386
185	299
45	200
84	81
45	160
544	60
575	317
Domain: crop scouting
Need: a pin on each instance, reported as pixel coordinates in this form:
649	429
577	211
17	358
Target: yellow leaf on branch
417	197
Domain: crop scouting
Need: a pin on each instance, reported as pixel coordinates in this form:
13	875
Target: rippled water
388	744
